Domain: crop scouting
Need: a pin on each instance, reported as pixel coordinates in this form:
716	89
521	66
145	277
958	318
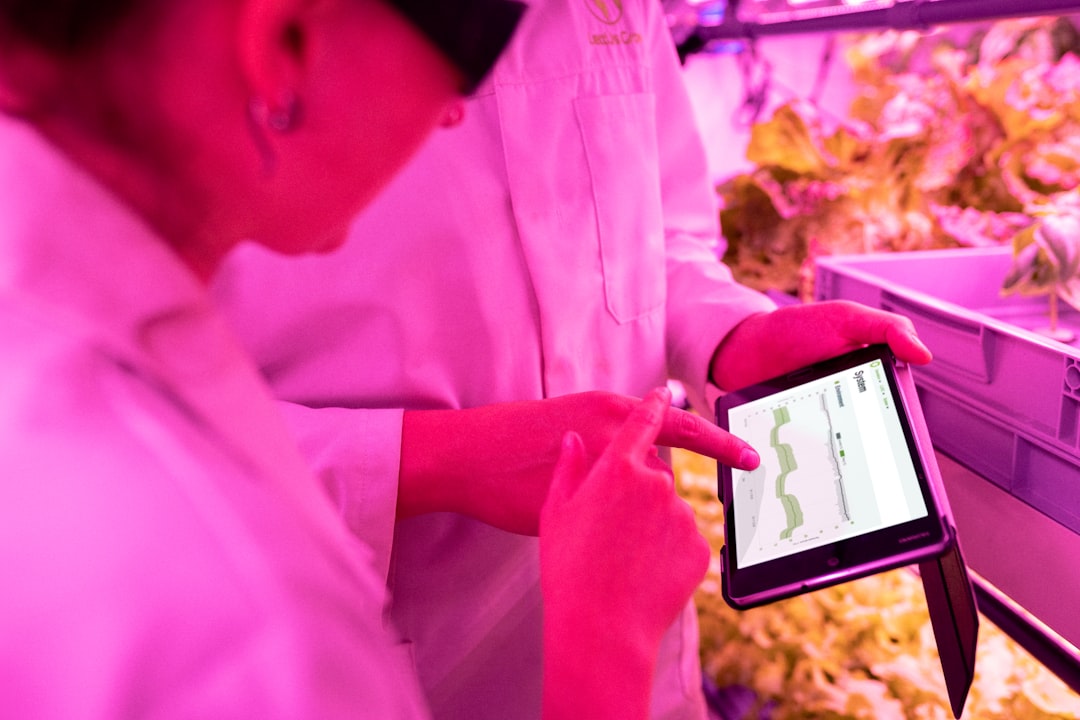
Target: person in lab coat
558	254
164	550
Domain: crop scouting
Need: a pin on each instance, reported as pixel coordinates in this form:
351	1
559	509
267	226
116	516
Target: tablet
844	488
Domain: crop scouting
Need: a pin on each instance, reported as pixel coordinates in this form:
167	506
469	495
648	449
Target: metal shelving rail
902	15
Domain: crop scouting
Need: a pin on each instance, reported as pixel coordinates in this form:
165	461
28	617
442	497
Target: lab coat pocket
619	137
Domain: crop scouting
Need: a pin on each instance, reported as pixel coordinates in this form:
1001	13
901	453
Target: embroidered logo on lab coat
610	12
606	11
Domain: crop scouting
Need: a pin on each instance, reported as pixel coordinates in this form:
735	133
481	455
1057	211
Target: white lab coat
164	551
563	238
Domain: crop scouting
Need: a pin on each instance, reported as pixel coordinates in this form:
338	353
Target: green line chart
798	496
786	457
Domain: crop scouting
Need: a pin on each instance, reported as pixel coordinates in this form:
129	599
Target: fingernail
749	459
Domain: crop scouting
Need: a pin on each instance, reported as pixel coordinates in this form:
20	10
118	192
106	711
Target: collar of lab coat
80	260
71	248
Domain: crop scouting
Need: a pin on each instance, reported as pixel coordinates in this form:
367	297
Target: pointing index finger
685	430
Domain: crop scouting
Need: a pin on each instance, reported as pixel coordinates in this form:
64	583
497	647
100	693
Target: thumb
570	471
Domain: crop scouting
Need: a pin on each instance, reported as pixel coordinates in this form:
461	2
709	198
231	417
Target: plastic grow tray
998	397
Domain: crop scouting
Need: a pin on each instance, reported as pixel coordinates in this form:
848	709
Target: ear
272	44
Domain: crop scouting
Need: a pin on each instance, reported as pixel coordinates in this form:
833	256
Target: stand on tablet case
947	585
955	620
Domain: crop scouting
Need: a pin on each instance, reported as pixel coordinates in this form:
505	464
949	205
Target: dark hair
62	27
470	33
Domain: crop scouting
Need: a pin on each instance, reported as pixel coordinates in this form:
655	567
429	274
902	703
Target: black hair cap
471	33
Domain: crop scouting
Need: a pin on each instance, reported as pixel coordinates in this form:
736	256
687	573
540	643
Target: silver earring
279	120
283	118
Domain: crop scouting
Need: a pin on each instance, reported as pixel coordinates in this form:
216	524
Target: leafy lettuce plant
945	146
1046	261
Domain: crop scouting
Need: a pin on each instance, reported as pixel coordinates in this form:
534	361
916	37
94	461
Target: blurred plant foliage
946	145
862	650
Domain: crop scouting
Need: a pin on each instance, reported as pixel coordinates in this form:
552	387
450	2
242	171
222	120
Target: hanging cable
756	73
824	64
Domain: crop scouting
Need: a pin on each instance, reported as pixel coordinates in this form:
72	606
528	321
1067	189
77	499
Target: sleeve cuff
356	455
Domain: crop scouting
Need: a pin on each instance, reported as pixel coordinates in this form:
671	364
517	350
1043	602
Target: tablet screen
843	489
834	464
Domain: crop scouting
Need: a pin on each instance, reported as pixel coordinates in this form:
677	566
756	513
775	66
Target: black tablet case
949	594
955	619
